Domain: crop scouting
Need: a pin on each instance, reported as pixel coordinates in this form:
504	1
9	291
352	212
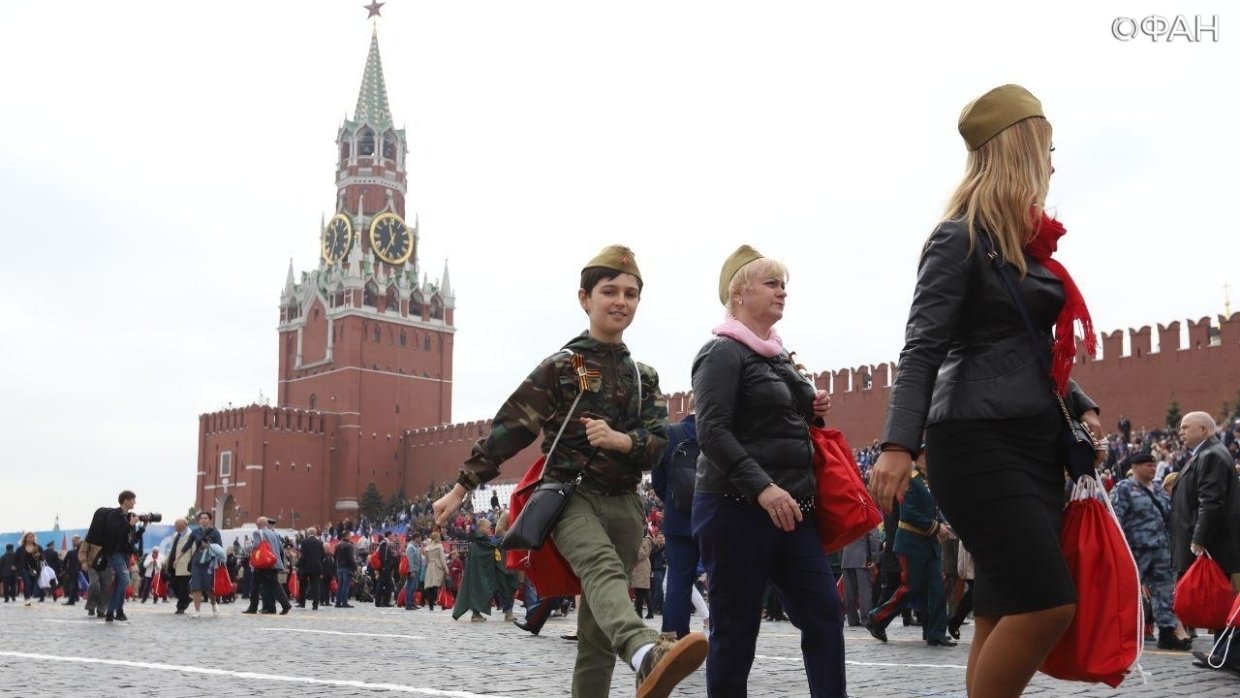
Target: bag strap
1154	498
1038	350
564	425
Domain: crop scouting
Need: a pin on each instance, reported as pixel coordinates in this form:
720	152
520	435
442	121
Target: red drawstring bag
1203	596
400	597
546	568
843	507
159	585
222	585
1104	642
294	584
446	598
263	557
404	566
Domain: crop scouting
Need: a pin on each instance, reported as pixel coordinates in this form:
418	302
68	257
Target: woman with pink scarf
753	507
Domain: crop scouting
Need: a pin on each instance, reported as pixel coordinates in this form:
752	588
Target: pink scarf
735	329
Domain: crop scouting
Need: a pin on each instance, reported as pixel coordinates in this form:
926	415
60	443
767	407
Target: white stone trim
367	370
221	487
253	467
346	504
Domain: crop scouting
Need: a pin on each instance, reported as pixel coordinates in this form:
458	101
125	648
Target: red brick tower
365	348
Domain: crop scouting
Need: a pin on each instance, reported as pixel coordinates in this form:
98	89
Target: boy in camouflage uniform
616	432
1143	511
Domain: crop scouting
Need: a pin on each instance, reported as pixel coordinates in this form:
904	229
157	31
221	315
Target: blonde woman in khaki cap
754	496
972	380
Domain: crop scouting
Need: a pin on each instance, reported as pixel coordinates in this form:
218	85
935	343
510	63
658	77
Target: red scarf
1063	355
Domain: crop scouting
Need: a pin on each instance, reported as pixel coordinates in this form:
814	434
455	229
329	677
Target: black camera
153	517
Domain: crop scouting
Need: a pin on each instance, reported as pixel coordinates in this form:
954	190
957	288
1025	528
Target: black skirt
1001	488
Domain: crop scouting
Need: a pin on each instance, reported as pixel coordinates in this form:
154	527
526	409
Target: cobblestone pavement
48	650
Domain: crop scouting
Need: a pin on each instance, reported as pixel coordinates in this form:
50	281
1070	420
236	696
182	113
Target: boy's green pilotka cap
988	115
616	258
742	256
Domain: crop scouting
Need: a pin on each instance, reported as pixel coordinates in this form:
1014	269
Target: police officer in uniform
1144	510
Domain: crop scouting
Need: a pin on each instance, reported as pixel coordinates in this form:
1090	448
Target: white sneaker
197	613
214	610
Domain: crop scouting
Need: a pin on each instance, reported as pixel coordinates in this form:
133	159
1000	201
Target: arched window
389	146
402	338
366	144
426	343
378	335
344	152
370	296
390	302
314	401
436	308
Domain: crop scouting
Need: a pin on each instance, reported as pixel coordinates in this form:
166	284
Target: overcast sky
160	163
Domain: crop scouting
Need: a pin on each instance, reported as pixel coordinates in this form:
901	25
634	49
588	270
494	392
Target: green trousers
599	536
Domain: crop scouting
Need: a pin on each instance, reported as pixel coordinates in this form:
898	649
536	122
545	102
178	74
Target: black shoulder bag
1076	443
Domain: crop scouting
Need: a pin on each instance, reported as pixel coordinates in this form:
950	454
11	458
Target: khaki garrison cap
988	115
742	256
617	258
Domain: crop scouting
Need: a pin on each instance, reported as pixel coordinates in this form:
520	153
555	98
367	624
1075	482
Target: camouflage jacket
541	404
1143	521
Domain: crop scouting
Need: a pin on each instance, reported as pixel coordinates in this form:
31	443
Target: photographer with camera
208	553
109	544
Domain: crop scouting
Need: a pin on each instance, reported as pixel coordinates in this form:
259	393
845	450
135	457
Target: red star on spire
373	8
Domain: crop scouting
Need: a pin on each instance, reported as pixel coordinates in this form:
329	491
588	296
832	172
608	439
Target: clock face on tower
391	239
337	238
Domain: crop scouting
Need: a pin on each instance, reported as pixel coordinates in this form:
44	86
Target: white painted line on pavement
81	622
856	663
338	632
253	675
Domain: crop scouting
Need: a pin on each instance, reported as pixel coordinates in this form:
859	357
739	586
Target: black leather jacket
967	354
752	422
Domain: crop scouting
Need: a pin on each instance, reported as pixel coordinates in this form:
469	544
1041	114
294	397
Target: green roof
372	100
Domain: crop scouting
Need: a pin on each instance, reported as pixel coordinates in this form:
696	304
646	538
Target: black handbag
1076	448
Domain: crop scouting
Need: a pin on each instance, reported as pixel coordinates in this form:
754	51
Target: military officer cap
988	115
742	256
617	258
1141	458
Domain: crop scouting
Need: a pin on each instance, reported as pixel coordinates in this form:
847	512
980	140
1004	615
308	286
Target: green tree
1173	413
371	504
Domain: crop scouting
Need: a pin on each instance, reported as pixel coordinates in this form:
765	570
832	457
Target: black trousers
308	586
10	588
267	582
180	587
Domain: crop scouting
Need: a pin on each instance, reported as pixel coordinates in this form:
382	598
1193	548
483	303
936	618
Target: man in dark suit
383	575
1205	512
70	571
310	569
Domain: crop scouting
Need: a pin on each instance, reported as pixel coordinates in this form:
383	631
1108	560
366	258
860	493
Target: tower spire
445	284
372	100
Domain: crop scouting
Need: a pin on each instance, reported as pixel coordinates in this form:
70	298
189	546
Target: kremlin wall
1201	371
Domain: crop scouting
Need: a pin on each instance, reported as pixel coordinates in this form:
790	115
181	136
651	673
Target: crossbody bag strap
567	418
1154	499
1038	350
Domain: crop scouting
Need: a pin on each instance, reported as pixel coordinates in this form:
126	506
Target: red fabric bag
1104	642
404	566
222	585
546	568
400	597
375	562
1203	596
843	507
446	598
263	557
334	587
294	584
159	585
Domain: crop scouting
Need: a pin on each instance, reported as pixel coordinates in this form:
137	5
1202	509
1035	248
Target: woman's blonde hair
762	268
436	537
1005	186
